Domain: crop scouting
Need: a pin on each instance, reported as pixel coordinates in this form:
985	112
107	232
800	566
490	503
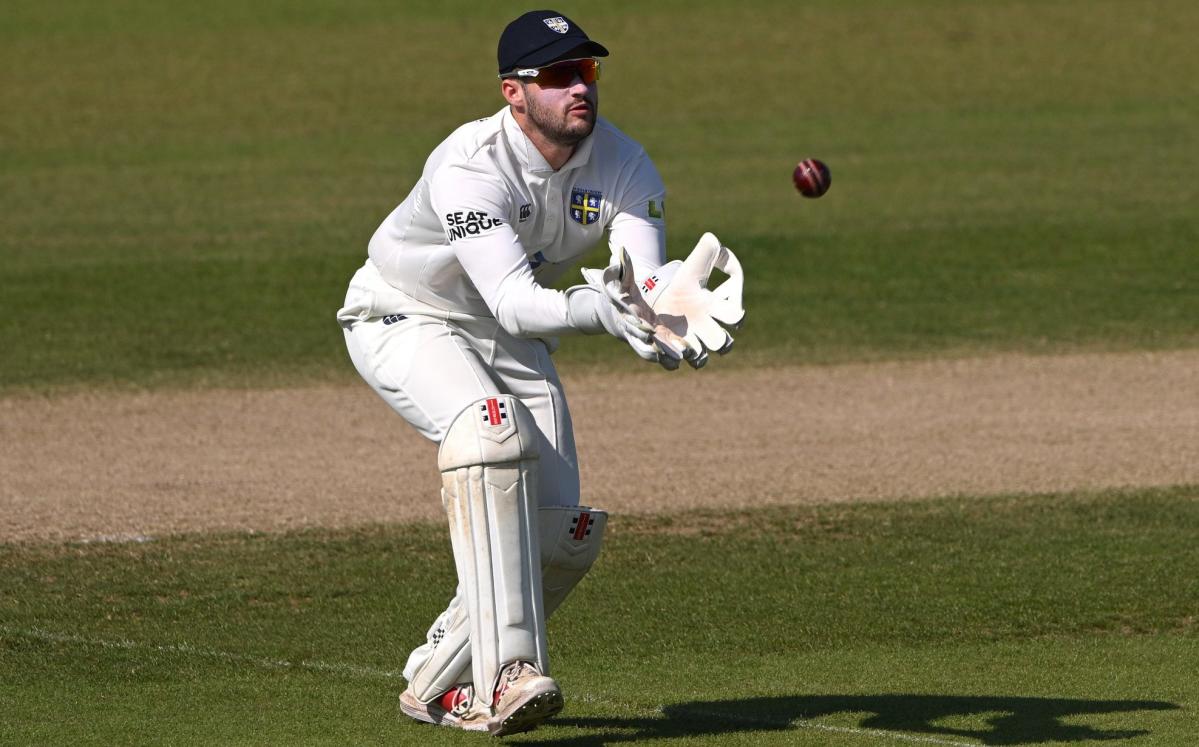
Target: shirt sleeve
640	221
473	208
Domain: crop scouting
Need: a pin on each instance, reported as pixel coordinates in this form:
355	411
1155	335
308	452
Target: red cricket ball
812	177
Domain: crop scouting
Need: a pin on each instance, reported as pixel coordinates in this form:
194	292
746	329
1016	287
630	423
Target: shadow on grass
1009	720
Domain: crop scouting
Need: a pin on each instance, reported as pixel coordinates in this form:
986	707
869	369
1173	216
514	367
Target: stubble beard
560	127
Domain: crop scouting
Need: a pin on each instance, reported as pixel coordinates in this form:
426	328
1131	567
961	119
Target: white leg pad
570	543
488	462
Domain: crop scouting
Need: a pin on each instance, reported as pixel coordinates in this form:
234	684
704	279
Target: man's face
564	115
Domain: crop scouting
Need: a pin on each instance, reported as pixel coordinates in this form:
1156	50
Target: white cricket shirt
490	225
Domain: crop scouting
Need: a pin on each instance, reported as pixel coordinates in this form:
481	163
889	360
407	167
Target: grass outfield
1009	620
187	191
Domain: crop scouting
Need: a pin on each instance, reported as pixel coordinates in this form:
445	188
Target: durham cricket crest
585	206
557	24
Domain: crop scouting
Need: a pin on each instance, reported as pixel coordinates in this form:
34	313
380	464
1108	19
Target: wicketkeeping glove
679	296
638	324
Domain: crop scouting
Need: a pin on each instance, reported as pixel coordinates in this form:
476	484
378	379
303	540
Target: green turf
1010	620
186	191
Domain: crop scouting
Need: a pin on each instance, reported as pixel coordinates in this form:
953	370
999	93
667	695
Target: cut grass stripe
353	670
1014	619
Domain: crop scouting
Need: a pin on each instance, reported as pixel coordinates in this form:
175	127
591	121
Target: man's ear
514	93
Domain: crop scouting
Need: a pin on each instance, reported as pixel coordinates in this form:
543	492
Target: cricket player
452	320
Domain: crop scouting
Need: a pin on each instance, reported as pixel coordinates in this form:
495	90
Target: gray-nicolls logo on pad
494	412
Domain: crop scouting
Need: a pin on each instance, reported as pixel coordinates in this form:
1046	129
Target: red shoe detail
454	697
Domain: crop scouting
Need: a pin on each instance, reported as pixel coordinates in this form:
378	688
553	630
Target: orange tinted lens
562	74
589	71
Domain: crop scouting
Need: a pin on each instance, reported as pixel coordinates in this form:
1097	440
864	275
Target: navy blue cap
540	37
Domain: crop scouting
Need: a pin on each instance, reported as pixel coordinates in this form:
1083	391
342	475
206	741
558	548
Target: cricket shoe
453	708
523	699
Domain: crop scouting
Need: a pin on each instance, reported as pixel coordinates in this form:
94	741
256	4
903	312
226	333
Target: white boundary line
190	650
355	670
898	736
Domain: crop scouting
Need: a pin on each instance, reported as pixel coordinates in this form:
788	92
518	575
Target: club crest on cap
557	24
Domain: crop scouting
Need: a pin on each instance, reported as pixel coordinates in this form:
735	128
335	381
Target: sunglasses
560	74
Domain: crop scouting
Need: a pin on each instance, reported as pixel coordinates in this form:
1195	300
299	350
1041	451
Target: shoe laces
511	674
